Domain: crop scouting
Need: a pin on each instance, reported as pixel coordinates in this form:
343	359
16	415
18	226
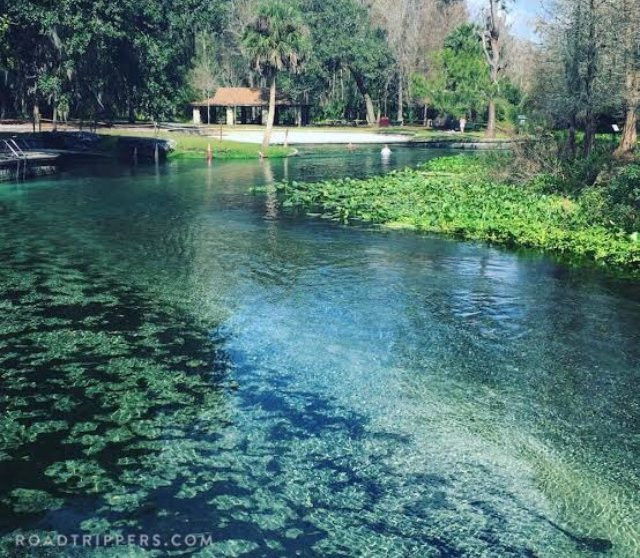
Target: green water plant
25	500
457	196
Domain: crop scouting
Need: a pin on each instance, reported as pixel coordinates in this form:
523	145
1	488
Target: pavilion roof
242	97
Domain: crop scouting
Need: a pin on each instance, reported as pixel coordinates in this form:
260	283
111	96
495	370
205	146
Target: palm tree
276	40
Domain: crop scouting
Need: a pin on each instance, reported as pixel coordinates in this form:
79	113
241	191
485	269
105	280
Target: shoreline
145	145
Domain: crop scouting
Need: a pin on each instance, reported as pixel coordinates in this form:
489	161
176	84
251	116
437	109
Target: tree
424	89
521	58
347	44
492	43
458	82
102	58
202	76
402	28
577	81
405	22
276	40
627	19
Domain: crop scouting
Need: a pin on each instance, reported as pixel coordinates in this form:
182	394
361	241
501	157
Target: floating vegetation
456	196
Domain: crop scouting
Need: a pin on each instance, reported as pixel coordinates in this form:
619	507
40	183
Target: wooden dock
30	157
27	164
40	154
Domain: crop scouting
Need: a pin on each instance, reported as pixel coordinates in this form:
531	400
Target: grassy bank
191	146
456	196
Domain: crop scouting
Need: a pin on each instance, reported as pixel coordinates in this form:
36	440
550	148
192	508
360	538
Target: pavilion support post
196	115
299	115
264	116
231	116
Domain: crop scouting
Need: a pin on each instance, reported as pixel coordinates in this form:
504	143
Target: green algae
24	500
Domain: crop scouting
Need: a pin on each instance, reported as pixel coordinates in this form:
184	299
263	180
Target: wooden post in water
156	153
209	153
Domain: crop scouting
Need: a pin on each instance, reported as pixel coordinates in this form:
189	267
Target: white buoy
386	152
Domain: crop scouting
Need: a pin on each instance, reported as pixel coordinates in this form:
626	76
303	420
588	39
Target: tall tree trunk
629	139
54	117
492	46
491	123
36	118
571	139
400	101
425	115
131	113
589	80
495	69
266	140
589	131
371	113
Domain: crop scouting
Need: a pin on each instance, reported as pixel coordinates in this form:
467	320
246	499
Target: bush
546	162
616	204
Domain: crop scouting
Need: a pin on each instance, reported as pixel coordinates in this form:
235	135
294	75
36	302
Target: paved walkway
299	137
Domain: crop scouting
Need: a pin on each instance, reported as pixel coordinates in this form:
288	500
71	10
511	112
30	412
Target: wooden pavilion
247	106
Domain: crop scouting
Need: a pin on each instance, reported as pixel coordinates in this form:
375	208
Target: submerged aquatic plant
100	384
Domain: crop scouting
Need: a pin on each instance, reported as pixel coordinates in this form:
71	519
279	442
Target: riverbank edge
454	196
109	144
189	146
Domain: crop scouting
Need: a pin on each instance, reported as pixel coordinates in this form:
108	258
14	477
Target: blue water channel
178	356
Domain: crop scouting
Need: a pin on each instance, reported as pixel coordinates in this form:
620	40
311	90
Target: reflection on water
180	356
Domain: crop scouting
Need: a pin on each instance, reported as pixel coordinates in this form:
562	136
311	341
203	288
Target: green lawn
191	146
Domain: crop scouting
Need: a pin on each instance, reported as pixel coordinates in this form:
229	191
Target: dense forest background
411	60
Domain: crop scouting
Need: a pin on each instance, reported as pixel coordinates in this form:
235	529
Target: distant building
247	106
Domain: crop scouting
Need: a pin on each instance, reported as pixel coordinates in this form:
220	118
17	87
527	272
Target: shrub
616	203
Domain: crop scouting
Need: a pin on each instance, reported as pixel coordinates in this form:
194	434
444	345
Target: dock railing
12	150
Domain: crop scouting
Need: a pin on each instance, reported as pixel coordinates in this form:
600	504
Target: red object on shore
384	122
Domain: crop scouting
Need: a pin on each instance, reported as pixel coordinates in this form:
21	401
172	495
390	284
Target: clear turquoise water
178	356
